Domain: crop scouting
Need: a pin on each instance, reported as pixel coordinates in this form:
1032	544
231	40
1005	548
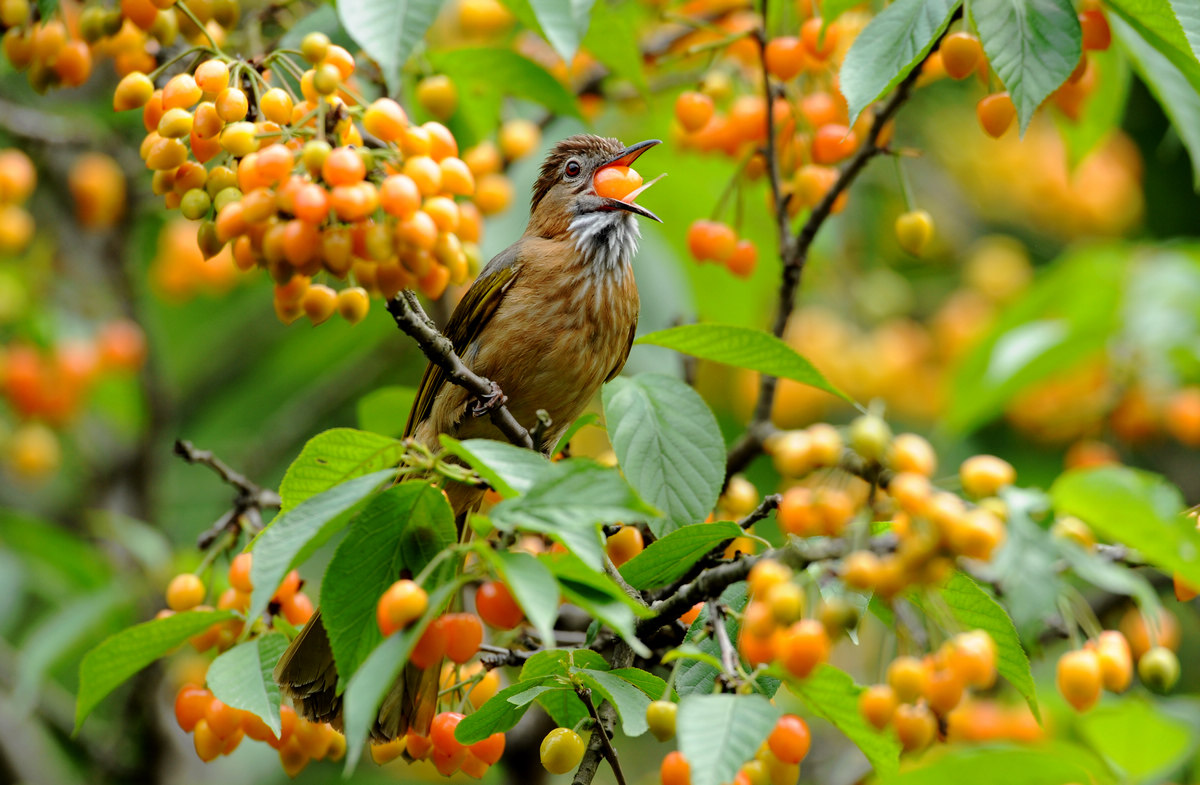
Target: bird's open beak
626	158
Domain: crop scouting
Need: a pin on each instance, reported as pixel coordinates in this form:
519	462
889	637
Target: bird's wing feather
466	323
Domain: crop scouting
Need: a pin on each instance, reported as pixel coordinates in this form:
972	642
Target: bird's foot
486	404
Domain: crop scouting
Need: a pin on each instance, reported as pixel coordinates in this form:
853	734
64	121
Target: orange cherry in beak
616	182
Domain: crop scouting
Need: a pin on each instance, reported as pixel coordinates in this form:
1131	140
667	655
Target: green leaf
569	502
1141	741
509	469
718	733
613	41
1127	506
1176	88
597	594
564	23
975	609
629	701
581	422
1187	13
653	687
699	674
668	559
1026	564
532	585
669	446
743	347
505	709
832	9
388	31
372	681
385	410
1114	578
378	547
1103	110
242	677
563	706
294	535
1053	763
485	75
334	456
1072	311
1032	45
831	693
120	656
889	47
1156	23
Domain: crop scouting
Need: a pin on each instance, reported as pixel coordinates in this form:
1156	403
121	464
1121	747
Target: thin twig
610	752
769	504
262	497
729	660
794	251
498	656
606	717
411	318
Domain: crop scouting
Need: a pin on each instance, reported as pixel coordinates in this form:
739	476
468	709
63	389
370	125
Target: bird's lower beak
626	158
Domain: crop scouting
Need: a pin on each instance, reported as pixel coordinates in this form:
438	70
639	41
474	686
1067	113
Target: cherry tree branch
794	249
602	730
411	318
250	501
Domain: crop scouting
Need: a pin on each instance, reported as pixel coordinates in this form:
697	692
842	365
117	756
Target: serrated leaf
831	693
388	31
668	559
333	457
509	469
294	535
628	700
385	410
1187	13
377	548
743	347
1033	45
1052	763
599	596
367	688
975	609
563	706
1102	112
1176	88
532	585
652	686
569	502
242	677
719	733
484	75
1126	505
669	446
107	666
1156	22
504	710
889	47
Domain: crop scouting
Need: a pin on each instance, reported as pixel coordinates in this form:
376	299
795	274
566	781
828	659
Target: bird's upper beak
626	158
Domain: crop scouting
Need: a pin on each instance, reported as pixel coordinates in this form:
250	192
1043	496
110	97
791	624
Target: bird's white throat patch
607	239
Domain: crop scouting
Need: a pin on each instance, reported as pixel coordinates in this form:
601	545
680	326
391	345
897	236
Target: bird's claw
486	404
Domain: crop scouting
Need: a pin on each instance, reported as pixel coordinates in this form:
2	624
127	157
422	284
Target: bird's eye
572	168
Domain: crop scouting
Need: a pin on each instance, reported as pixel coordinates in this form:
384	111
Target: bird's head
565	198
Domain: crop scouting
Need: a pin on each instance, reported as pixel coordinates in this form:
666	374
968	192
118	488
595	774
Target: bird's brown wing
466	323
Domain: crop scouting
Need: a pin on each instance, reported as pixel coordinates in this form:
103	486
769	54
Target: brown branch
794	251
410	317
729	659
606	717
249	502
610	752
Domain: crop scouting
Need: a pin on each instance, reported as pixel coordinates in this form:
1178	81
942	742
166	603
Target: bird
549	319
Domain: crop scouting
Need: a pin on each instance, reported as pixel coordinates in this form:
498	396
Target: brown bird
549	319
